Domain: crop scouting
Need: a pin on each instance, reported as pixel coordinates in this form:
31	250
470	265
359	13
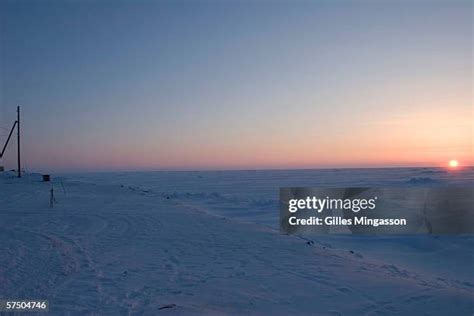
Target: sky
161	85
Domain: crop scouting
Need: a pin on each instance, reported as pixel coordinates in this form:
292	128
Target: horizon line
252	169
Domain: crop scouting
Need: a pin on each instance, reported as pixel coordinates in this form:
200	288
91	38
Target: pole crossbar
8	139
17	125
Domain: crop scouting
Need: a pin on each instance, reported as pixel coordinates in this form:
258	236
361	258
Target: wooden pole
18	140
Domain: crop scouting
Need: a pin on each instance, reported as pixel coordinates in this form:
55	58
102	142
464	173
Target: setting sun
453	163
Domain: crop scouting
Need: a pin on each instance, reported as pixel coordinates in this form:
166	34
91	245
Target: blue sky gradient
145	85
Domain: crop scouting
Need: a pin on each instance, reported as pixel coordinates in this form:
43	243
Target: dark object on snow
52	199
46	177
2	168
167	306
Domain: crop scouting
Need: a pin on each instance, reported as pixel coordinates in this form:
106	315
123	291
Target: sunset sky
150	85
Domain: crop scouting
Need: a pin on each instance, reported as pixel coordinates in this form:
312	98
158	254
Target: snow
207	243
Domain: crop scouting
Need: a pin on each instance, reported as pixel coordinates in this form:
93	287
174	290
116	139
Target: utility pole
18	140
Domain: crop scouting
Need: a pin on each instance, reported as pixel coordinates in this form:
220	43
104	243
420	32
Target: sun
453	164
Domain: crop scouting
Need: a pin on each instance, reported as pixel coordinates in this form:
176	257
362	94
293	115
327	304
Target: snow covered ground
207	243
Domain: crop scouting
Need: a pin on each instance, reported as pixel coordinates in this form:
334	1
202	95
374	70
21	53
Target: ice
207	243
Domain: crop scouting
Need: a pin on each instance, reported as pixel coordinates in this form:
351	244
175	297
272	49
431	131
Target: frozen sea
253	196
207	243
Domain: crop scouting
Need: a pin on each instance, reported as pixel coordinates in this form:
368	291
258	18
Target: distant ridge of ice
421	180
